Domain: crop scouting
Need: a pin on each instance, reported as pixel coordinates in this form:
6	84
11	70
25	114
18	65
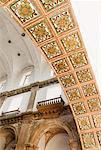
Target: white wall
58	142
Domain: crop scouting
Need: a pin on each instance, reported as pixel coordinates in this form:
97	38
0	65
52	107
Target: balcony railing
10	113
57	100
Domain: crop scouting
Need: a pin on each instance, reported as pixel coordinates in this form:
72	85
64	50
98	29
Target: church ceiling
52	26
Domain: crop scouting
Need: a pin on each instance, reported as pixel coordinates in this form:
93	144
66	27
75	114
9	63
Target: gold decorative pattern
51	4
94	104
89	140
99	136
68	80
84	123
84	75
51	50
24	10
61	66
72	42
40	31
79	108
73	94
90	89
62	21
78	59
52	26
97	120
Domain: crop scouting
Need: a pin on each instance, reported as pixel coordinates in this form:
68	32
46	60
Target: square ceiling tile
84	123
79	108
71	42
68	80
25	10
97	120
90	89
51	4
89	140
40	31
73	94
94	104
62	21
61	66
84	75
51	50
78	59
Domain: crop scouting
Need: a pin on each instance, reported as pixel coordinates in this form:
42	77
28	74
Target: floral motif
97	120
99	136
62	21
50	4
90	89
51	50
24	10
78	59
61	65
79	108
73	94
84	123
84	75
40	31
89	140
94	104
72	42
68	80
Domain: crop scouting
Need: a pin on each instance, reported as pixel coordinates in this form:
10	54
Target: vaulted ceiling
54	31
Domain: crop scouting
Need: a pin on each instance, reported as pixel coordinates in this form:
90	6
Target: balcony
51	106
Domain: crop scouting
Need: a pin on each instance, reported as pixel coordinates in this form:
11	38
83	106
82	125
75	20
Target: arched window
26	75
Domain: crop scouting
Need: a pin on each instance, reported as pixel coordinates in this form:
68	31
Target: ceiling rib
53	28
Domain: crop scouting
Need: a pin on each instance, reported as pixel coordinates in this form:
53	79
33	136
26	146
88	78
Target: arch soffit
44	127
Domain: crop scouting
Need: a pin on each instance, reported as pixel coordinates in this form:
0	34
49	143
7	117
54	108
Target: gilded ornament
62	21
84	123
40	31
79	108
51	50
89	140
84	75
94	104
61	65
73	94
68	80
78	59
51	4
90	89
71	42
24	10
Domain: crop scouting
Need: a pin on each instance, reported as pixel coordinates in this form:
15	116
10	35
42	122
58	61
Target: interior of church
49	76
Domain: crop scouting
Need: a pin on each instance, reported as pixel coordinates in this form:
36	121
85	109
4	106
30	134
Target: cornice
28	88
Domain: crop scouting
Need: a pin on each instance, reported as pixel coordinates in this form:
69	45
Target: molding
28	88
28	117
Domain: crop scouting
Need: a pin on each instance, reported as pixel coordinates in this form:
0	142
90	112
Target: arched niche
48	130
8	138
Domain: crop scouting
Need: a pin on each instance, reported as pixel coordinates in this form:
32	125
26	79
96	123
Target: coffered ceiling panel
52	26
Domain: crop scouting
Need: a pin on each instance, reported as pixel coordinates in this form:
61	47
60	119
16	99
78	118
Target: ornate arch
53	28
43	128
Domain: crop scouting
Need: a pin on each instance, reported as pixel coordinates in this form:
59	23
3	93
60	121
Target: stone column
32	98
